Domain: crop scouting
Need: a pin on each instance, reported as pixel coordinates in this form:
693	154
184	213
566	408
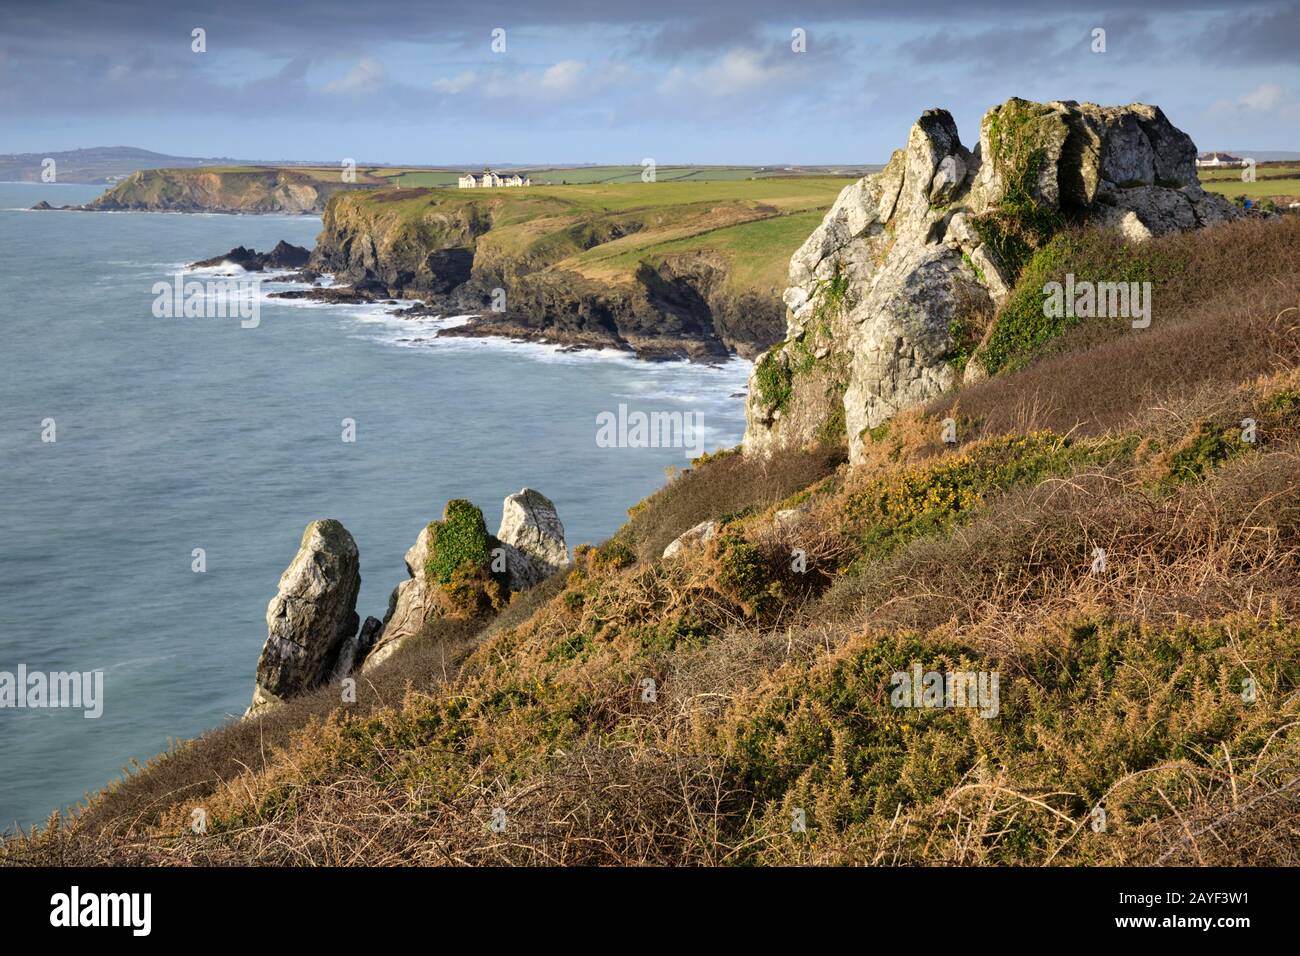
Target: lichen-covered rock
311	617
410	605
532	538
354	650
692	538
907	259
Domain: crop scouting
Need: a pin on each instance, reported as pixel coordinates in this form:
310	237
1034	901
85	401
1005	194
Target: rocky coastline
455	568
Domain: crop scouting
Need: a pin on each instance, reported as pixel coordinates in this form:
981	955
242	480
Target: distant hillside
99	164
111	164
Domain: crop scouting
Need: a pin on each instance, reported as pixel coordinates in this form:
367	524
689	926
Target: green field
588	175
407	177
1277	181
606	231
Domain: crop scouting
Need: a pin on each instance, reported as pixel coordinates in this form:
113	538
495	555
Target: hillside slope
665	269
1114	534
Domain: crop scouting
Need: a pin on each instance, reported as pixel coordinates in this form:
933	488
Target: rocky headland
892	300
250	190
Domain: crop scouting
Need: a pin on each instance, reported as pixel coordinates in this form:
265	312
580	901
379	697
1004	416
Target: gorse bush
1208	447
686	711
460	538
911	502
1078	724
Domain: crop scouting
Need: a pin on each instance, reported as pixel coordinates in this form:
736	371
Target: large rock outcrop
312	616
532	537
411	604
904	256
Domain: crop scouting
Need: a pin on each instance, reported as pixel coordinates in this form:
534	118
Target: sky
608	81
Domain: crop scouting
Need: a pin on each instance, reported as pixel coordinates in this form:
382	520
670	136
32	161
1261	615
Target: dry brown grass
1233	314
1122	684
1198	553
722	487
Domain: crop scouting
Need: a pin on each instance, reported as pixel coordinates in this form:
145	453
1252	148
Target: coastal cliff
663	270
1030	600
236	189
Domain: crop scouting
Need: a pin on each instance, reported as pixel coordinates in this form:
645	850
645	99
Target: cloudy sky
679	81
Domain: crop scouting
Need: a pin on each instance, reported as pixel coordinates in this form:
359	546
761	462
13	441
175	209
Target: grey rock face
692	538
409	606
354	650
532	537
876	291
312	616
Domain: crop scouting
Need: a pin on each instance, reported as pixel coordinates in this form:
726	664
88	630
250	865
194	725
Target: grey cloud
1254	37
343	25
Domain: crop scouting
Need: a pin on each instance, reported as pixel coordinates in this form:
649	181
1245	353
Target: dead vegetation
1103	538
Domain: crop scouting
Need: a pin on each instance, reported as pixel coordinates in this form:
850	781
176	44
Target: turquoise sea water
176	434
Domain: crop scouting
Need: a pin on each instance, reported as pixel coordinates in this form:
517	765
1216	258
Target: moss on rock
460	538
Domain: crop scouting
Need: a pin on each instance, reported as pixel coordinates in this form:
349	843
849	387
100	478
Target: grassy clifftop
230	189
1114	534
598	231
657	267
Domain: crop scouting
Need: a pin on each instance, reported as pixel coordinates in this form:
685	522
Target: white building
491	179
1214	160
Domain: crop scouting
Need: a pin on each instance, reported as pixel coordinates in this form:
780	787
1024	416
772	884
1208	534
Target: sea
156	473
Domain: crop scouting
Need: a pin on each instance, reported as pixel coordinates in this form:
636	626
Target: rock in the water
693	538
533	539
312	616
283	256
898	262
